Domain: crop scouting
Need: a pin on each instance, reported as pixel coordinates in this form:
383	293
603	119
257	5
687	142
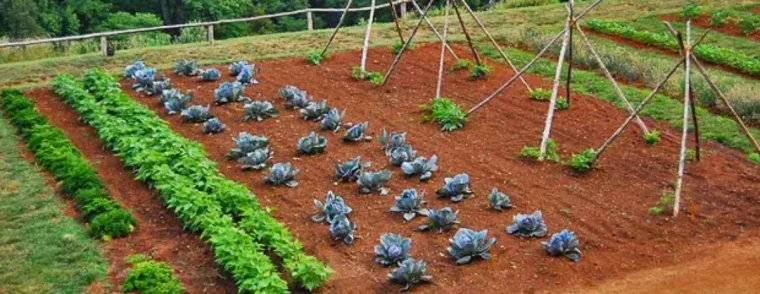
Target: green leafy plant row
148	276
707	52
53	150
226	213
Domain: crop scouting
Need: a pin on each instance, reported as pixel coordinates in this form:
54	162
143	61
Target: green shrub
98	206
719	18
652	138
78	177
150	277
552	152
754	158
314	58
541	94
358	73
582	162
748	24
116	223
444	111
479	72
461	64
86	196
562	104
25	119
691	155
398	45
375	78
691	11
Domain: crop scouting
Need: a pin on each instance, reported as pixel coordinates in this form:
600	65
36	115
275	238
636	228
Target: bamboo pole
570	20
609	76
723	98
406	44
517	75
443	49
367	35
103	45
337	28
494	43
467	36
696	122
432	28
685	133
310	21
395	20
555	90
607	143
210	34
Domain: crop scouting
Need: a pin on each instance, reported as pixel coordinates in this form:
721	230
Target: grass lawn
43	250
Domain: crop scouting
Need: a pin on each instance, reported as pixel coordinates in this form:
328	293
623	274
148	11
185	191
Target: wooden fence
208	24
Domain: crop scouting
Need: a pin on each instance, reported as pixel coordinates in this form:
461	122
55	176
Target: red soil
703	21
159	233
606	208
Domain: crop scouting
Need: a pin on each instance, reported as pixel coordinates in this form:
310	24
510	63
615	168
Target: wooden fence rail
208	24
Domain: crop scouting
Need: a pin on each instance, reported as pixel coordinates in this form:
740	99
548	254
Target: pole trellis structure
688	61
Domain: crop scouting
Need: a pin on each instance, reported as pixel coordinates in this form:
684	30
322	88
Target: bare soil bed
606	208
703	21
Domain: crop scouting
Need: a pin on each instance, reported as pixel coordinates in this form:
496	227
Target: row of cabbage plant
194	188
53	150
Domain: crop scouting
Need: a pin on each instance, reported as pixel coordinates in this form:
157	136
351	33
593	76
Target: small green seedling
652	138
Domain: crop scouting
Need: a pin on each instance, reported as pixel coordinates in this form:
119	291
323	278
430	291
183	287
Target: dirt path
159	233
730	268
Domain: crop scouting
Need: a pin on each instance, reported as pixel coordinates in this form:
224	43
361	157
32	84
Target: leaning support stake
406	44
517	75
685	132
571	28
367	35
395	20
337	28
432	28
609	76
555	90
443	48
494	43
723	98
467	36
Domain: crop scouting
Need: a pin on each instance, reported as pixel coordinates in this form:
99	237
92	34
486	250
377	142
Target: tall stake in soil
467	36
337	28
696	122
443	49
555	89
685	133
517	75
432	28
395	20
609	76
406	44
571	28
494	43
367	36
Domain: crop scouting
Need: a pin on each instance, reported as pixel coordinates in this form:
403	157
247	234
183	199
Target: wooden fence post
104	45
402	8
310	21
210	32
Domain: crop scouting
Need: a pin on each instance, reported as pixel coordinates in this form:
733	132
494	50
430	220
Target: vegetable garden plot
607	209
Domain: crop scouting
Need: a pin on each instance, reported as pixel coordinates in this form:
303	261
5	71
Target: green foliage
150	277
124	20
691	155
561	104
582	162
691	11
748	24
479	72
719	18
461	64
398	45
375	78
79	180
115	223
652	138
534	152
191	35
358	74
444	111
754	158
665	203
44	250
229	217
541	94
729	57
315	57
